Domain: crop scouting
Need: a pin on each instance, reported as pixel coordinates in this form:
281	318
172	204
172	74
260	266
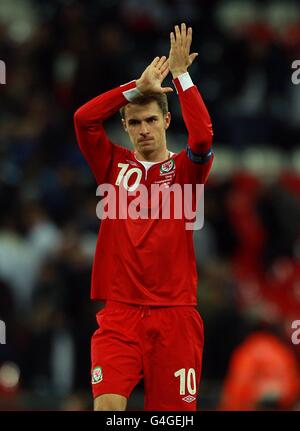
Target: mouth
145	141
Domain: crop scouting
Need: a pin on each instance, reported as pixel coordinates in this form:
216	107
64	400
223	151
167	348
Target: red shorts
162	345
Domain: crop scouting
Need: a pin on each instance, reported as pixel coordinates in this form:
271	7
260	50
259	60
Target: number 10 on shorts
187	381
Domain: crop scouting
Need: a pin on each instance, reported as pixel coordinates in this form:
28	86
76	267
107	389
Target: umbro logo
189	399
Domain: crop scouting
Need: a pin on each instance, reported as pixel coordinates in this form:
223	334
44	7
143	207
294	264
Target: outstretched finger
189	39
172	39
164	66
167	89
183	34
164	72
192	57
177	33
155	61
161	62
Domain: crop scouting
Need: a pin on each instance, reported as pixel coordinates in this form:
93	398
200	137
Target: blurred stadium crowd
61	53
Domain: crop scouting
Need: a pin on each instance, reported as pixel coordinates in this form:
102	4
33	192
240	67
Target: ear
167	120
124	125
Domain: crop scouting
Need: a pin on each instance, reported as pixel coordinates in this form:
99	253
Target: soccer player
144	269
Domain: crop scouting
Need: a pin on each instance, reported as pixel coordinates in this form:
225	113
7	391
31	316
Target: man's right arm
88	119
91	136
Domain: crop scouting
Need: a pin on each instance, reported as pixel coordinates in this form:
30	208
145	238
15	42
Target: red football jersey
146	261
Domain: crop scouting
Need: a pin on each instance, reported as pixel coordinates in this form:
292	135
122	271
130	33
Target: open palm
180	58
153	76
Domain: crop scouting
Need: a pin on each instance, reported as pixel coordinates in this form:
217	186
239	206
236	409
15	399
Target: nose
144	128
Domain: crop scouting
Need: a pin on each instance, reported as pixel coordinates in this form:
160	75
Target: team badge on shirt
167	166
97	375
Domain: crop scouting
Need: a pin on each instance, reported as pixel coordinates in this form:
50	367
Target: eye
151	120
133	122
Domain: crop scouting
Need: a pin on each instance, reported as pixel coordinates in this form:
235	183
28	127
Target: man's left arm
195	114
197	121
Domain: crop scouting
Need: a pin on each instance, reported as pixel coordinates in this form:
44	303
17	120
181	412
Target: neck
153	156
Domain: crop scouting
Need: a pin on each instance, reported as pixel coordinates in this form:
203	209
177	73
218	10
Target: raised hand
180	58
153	76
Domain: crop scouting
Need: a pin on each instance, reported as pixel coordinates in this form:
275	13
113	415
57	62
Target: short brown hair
160	98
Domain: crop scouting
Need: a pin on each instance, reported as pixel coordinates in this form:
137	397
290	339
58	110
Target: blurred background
58	55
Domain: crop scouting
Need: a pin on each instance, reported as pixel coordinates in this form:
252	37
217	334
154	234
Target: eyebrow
136	120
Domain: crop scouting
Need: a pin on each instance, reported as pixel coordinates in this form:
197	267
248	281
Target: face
146	126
